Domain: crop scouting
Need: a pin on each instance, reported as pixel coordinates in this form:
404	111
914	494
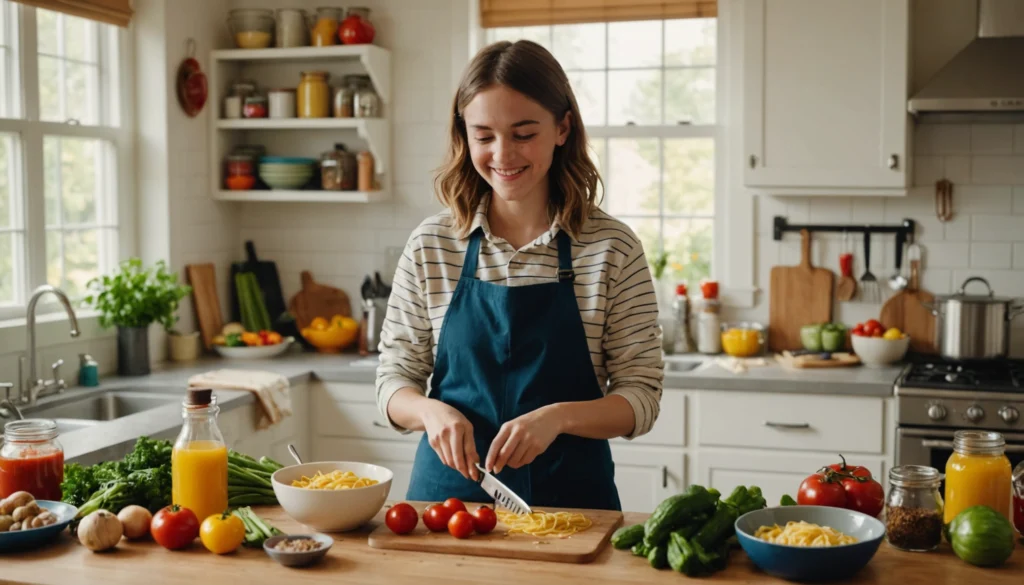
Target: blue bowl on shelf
35	537
811	564
288	160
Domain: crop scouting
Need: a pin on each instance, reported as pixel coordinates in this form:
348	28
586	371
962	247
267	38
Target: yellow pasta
803	534
335	480
540	523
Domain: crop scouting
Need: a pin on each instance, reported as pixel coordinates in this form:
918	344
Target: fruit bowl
878	351
255	352
330	340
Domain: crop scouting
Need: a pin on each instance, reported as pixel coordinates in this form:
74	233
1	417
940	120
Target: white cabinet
825	93
645	476
239	427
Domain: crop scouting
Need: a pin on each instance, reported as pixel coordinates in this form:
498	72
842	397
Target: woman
531	308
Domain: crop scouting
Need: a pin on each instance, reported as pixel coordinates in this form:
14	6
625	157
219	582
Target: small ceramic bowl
297	559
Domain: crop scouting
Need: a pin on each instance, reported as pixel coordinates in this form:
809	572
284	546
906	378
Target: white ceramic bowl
875	351
332	510
255	353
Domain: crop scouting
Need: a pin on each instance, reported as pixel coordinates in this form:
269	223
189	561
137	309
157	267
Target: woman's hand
450	434
521	440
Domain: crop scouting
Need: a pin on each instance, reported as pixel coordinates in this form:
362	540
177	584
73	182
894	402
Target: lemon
892	334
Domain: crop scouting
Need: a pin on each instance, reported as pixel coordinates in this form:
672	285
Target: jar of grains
913	508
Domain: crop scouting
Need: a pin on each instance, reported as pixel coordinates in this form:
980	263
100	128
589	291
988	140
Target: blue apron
506	351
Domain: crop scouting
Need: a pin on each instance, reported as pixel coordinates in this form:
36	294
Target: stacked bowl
283	172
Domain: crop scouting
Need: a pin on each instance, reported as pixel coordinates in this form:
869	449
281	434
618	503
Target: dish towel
271	390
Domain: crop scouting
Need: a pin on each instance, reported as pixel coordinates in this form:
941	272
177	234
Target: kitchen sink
678	367
67	425
103	406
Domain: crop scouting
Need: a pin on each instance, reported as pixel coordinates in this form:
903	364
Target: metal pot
971	327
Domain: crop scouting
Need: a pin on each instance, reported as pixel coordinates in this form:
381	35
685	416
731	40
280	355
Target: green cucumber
676	511
627	536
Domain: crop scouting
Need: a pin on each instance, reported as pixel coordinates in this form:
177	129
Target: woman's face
512	140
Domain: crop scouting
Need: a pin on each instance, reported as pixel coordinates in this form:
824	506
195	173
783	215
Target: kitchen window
646	91
61	138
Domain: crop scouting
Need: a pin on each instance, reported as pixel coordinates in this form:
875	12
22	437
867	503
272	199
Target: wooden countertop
350	560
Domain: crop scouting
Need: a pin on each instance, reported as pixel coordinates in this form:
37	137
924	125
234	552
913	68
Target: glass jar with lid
366	102
914	508
32	459
977	473
313	95
324	26
199	459
345	97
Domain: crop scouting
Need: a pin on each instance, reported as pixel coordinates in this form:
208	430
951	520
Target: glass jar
913	508
32	459
324	31
331	170
367	102
345	97
243	88
978	473
199	460
356	29
255	106
313	95
744	338
240	165
291	28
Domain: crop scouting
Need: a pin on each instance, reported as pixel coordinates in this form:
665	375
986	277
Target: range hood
987	75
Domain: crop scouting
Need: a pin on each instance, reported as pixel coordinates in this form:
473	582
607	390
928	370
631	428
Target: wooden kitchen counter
350	560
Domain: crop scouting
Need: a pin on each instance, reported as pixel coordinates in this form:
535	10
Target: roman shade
116	12
501	13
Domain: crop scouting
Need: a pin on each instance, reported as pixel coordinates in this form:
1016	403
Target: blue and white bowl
35	537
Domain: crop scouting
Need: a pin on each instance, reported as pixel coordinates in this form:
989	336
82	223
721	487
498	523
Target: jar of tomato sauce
977	473
31	459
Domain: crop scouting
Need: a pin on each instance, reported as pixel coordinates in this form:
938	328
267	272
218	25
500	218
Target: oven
932	447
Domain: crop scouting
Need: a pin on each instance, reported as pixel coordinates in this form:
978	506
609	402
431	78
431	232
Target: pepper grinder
683	342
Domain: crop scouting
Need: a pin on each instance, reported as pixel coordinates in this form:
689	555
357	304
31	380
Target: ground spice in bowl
913	529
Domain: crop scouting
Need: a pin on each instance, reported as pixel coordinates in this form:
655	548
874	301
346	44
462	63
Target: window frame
115	127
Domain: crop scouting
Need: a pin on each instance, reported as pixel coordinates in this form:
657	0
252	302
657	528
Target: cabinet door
645	476
825	94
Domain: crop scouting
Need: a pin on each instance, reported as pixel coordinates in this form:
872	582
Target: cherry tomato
857	470
222	533
174	527
858	330
484	519
454	505
865	495
436	517
873	324
402	518
821	490
461	524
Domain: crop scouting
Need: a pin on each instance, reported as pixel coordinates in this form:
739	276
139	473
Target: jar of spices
313	95
978	473
913	508
31	459
709	336
367	102
364	161
282	103
331	170
324	32
345	96
291	28
255	107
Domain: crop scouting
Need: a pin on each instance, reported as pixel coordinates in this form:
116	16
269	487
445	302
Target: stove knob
936	412
974	414
1009	414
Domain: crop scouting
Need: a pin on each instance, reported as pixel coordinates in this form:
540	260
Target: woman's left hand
521	440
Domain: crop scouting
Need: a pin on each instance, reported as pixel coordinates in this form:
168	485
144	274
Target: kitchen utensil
972	326
846	288
382	291
366	289
897	281
944	200
203	279
297	559
878	351
369	328
501	493
811	563
294	453
798	360
258	352
582	547
906	309
266	277
318	300
332	510
799	295
870	292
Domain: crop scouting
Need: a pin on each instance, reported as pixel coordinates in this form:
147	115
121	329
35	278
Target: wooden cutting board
798	362
203	279
799	295
318	300
906	311
581	547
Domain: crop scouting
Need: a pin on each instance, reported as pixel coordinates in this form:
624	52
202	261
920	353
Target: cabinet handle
753	161
894	161
380	425
778	425
664	476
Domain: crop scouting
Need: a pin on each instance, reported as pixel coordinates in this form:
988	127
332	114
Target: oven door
932	447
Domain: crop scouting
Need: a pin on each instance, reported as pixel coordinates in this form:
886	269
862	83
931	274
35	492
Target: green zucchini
658	557
688	561
676	511
718	528
641	549
627	536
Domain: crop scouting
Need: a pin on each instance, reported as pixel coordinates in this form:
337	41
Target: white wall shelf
289	196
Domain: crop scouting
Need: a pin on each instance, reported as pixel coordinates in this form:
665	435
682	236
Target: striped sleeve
632	340
406	340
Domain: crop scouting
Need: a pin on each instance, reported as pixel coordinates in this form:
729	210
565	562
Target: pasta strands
540	523
803	534
335	480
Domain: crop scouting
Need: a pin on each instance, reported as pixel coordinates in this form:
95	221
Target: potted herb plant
131	299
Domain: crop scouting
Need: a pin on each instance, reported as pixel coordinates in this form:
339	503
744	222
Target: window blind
502	13
116	12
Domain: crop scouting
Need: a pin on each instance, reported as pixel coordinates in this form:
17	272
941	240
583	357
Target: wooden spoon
846	288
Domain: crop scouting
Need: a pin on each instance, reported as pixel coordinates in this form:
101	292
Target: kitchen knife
502	494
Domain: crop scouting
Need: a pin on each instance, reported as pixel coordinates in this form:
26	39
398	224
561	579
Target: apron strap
472	252
565	271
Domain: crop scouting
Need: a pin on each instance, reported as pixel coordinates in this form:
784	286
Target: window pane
590	94
7	284
579	46
80	165
690	96
538	34
54	255
80	39
634	44
647	229
81	88
688	242
50	90
51	180
597	148
634	96
689	177
634	176
81	261
6	166
47	32
690	41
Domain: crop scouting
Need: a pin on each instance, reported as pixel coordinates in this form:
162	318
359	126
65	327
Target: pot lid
962	295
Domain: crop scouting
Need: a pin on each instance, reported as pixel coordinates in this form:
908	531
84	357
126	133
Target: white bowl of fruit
877	345
237	343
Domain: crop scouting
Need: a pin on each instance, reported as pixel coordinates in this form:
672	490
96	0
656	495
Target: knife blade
502	494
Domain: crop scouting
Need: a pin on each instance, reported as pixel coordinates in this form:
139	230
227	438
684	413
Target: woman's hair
531	70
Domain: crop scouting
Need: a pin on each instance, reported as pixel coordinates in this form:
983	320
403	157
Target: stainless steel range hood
988	74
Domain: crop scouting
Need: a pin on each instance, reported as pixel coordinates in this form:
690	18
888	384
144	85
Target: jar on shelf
978	473
364	162
243	88
356	29
313	95
345	97
709	337
255	106
914	508
32	459
324	28
282	102
240	165
367	102
291	28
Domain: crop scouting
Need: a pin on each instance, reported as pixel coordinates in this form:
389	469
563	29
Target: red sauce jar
31	459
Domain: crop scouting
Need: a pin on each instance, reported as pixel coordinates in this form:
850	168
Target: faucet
33	387
7	408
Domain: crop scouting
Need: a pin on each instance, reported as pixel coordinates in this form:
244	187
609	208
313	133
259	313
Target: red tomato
174	527
876	333
461	524
402	518
873	324
454	505
858	330
857	470
864	495
436	517
819	490
484	519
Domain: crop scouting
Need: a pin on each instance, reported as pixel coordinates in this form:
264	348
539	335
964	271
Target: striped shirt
613	289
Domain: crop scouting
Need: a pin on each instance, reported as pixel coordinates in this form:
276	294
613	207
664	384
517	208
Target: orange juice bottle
978	473
199	461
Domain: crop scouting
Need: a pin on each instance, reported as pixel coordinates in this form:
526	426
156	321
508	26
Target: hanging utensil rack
905	229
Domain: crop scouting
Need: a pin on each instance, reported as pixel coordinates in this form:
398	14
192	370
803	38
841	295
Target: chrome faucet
9	409
32	387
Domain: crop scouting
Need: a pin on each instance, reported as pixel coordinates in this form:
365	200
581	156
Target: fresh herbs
135	296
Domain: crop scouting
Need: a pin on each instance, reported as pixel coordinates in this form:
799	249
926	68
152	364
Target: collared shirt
613	289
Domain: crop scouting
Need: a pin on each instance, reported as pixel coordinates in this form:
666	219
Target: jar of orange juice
324	31
977	473
199	461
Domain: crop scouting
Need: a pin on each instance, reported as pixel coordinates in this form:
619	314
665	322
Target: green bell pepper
810	336
833	337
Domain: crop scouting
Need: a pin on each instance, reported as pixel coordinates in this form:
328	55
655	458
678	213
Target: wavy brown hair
530	69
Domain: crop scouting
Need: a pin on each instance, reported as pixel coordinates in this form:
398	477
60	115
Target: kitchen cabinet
825	96
645	476
238	425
